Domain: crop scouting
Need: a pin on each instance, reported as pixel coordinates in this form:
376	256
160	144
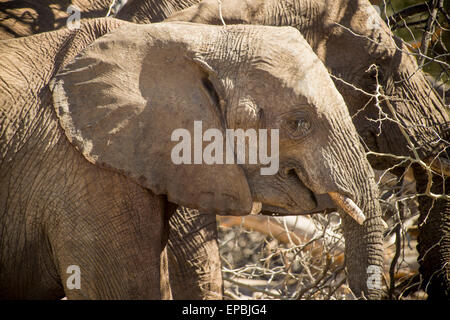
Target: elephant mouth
323	204
308	202
314	203
341	200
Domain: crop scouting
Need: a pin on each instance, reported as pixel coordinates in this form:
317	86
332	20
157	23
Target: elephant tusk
349	207
440	165
256	208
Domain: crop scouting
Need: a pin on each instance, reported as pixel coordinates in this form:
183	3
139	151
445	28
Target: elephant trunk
418	114
363	235
361	215
363	231
429	132
434	237
426	122
364	250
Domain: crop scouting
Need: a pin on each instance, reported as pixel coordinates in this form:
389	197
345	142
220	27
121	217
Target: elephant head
394	108
363	56
122	99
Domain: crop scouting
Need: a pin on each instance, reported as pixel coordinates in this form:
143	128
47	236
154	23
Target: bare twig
220	13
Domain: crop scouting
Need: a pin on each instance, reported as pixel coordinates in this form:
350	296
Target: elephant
195	270
364	57
21	18
192	235
88	132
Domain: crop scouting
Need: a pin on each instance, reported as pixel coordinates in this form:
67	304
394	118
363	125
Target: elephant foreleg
109	246
193	254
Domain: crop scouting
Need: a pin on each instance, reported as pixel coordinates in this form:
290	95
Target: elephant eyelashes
374	73
297	126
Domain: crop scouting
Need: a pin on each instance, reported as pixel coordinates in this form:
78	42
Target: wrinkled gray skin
348	40
193	241
76	175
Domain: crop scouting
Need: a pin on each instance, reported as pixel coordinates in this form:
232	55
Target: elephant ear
120	101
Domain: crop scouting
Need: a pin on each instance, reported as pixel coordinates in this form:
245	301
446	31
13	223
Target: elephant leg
110	239
434	237
193	254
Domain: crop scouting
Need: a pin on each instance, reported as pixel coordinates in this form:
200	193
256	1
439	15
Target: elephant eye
374	73
298	128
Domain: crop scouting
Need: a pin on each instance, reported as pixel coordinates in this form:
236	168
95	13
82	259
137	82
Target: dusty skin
314	23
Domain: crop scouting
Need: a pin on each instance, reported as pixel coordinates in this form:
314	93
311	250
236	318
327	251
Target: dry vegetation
302	257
